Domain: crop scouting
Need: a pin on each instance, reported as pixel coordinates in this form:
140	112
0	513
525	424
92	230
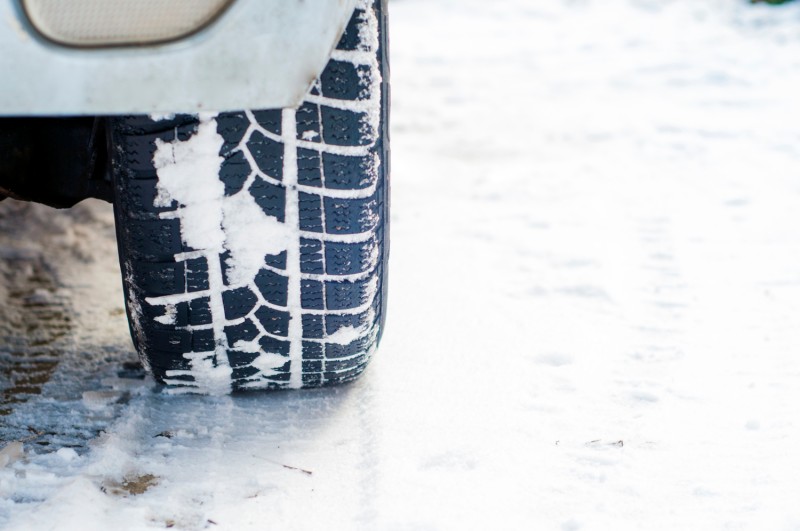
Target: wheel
253	244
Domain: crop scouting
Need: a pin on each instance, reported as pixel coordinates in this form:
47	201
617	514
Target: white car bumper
259	54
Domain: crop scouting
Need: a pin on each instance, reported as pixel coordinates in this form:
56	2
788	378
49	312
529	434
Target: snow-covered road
594	314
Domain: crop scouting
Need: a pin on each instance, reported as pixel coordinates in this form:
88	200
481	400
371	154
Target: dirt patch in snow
34	321
130	485
62	323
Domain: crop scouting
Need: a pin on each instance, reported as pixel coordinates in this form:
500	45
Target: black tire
206	310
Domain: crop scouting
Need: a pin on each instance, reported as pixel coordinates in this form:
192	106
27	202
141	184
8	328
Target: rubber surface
313	313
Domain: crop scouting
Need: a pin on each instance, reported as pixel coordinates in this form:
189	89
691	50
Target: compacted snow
594	315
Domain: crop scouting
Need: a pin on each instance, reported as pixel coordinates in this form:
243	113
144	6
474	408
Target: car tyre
253	245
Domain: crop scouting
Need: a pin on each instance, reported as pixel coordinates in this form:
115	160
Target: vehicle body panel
257	54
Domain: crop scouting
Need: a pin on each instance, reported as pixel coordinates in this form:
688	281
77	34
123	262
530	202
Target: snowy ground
594	308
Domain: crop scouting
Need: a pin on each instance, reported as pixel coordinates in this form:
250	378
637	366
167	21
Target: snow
594	300
293	268
187	173
170	313
346	335
210	221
